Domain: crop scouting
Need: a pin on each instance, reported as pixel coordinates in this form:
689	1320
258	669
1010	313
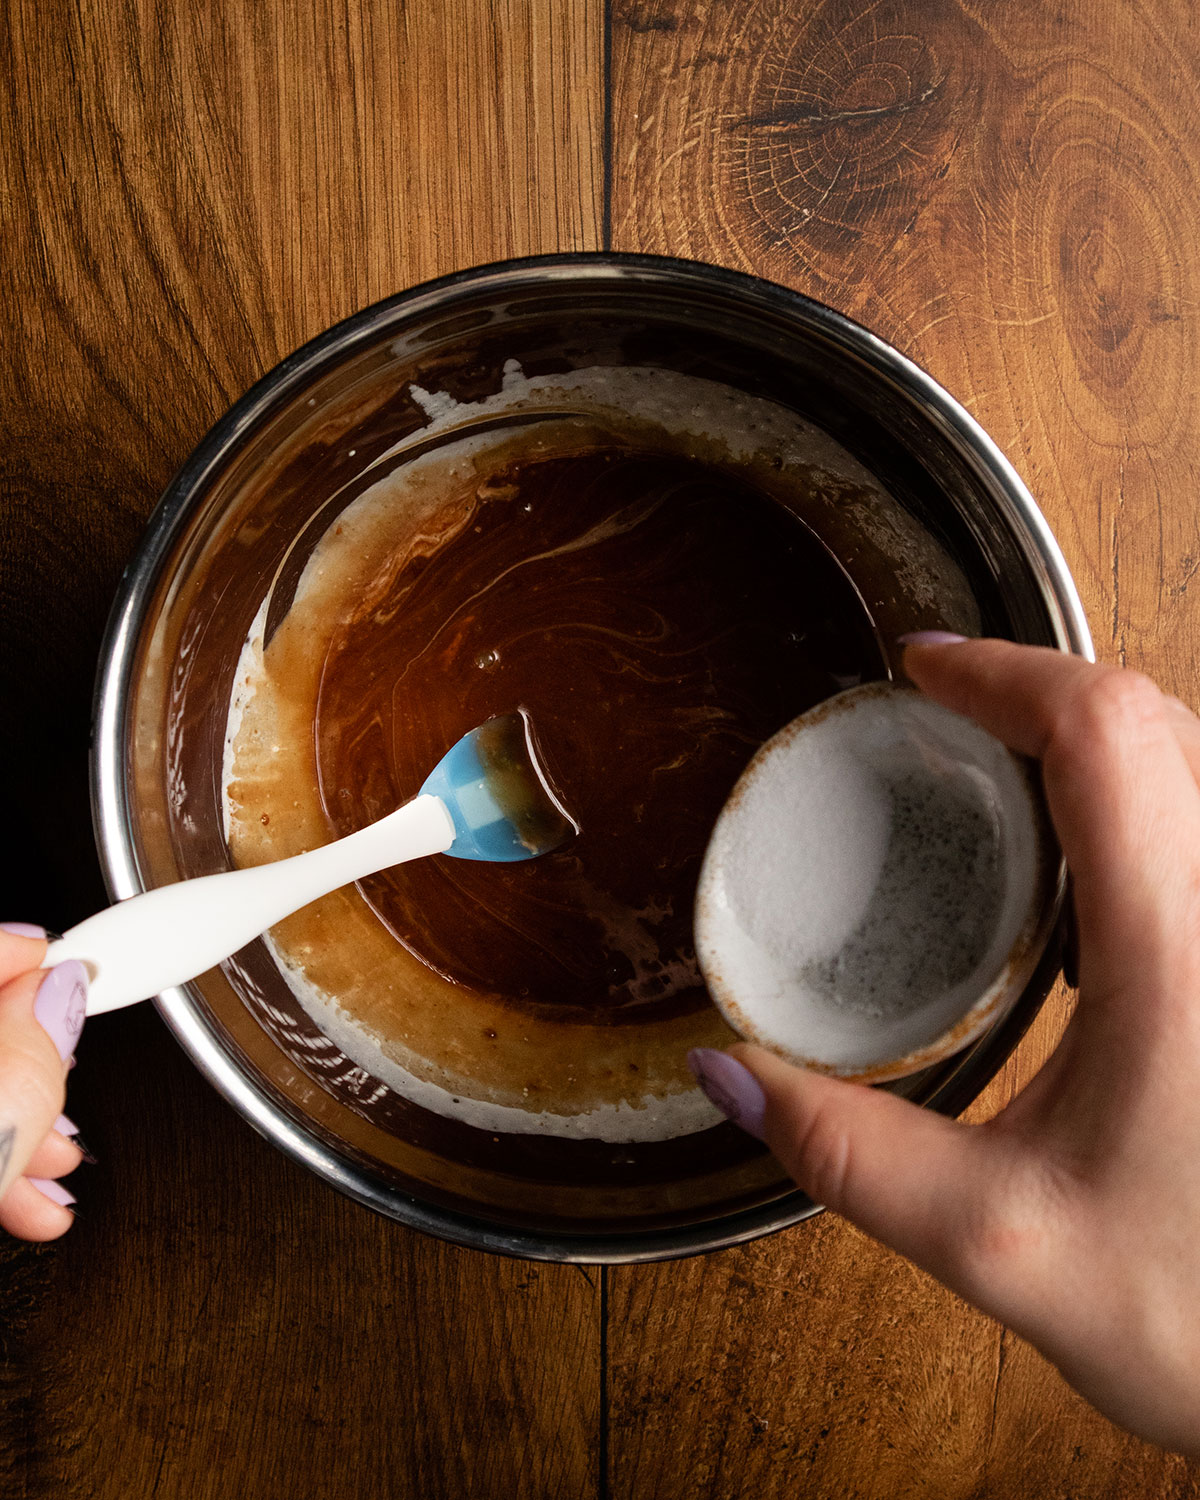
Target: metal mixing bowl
216	543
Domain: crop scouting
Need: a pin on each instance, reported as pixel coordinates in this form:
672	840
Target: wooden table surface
1008	192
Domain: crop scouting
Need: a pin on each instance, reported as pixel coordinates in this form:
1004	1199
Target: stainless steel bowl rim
1047	571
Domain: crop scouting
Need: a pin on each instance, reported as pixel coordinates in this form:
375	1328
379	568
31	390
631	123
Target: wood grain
219	1323
1004	193
188	192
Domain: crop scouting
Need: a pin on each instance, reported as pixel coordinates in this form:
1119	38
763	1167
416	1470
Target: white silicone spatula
486	799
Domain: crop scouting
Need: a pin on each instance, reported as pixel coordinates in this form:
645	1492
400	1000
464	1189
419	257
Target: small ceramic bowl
879	888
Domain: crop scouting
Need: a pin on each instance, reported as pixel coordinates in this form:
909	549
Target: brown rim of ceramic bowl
996	999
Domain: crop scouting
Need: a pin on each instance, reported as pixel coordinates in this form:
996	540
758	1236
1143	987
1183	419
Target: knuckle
995	1231
1004	1231
1113	706
821	1157
988	1247
1118	699
30	1083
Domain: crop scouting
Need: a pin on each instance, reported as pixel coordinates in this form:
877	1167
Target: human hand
41	1015
1074	1215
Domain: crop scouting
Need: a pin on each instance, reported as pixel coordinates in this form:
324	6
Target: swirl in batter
658	615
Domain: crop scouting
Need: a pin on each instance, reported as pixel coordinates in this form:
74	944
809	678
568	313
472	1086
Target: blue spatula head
498	796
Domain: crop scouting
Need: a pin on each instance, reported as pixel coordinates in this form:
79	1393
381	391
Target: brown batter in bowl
617	506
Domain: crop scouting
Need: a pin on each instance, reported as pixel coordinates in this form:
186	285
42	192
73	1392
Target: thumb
905	1175
41	1015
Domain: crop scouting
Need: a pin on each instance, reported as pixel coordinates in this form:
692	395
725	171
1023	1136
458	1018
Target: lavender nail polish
67	1127
931	638
732	1087
61	1004
22	929
53	1190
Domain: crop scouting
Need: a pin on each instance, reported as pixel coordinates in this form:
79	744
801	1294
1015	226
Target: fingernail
732	1087
68	1128
931	638
61	1004
22	929
53	1190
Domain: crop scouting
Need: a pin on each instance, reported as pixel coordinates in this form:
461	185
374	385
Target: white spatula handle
164	937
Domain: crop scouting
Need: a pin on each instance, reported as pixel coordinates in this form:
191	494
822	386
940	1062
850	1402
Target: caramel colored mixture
657	620
657	612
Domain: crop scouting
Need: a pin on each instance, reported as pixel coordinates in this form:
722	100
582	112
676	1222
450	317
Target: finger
1014	691
22	947
905	1175
27	1212
1119	786
41	1015
54	1156
1186	727
940	673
